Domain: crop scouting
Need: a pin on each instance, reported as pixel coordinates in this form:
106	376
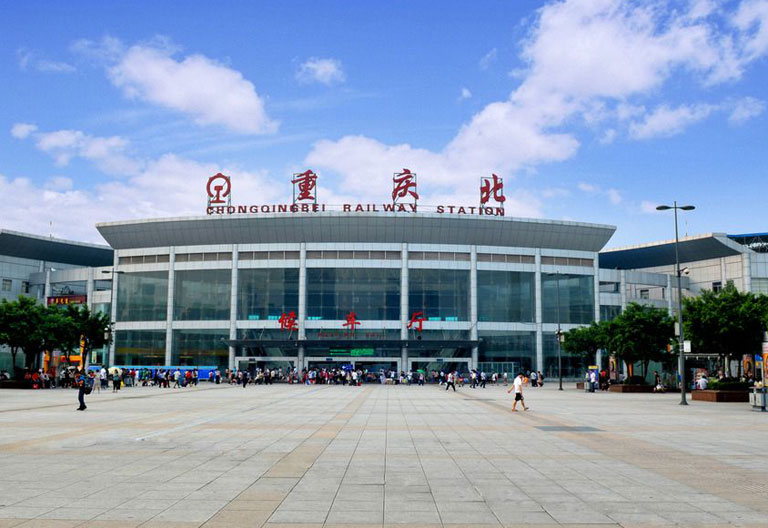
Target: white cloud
488	59
751	19
613	195
166	186
465	94
595	61
745	109
608	137
28	59
22	130
107	153
648	207
54	67
323	71
665	121
195	85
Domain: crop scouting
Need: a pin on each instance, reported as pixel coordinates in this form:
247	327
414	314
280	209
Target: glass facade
140	347
609	312
200	348
509	352
373	294
506	296
267	293
573	366
142	296
202	295
574	294
443	295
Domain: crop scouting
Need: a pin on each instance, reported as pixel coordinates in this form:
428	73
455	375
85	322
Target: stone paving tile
377	456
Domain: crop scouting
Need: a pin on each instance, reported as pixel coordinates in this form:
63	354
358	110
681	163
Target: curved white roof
334	226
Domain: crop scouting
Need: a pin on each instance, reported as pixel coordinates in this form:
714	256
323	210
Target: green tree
725	323
641	333
585	341
93	329
21	323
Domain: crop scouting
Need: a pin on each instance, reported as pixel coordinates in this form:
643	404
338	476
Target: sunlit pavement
377	455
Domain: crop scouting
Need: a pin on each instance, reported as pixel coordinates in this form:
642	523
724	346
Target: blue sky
591	110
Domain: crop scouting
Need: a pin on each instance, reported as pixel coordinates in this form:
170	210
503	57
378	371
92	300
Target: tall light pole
681	357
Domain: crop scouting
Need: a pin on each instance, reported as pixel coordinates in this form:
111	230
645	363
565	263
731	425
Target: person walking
176	378
82	386
116	380
449	382
517	386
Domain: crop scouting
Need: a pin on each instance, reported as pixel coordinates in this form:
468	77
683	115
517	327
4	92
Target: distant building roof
757	242
692	249
35	247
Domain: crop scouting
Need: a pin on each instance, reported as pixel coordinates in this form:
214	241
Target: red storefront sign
67	299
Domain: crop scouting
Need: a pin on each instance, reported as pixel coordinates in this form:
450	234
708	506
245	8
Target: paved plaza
298	456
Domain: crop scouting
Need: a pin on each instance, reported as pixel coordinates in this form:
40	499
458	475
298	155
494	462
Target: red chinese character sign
218	188
288	322
352	322
403	185
417	319
305	183
492	187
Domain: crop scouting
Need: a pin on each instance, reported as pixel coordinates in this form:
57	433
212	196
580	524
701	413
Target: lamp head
663	207
688	208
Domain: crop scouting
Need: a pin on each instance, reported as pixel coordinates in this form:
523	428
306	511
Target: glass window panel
609	312
224	256
292	255
574	294
510	352
202	295
373	294
182	257
431	255
140	347
416	255
440	294
463	257
200	348
393	255
345	255
547	260
505	296
142	296
573	366
378	255
195	257
276	255
267	293
260	255
163	258
314	254
361	255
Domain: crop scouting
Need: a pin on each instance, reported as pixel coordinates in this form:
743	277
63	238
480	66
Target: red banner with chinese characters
67	299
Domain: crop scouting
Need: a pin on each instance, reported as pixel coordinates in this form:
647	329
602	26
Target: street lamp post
681	356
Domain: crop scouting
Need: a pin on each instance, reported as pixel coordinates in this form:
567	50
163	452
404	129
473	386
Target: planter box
720	396
631	388
579	385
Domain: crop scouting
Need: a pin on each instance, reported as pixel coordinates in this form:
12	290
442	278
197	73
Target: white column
596	270
89	289
623	289
746	262
473	302
169	307
47	290
302	306
539	320
404	315
669	295
113	308
89	303
233	306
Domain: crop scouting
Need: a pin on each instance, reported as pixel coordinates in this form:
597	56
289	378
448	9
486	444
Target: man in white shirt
517	386
103	377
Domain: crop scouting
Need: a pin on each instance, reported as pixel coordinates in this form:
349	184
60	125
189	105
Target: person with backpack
84	386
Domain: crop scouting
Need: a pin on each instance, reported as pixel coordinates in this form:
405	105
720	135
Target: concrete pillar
89	289
669	295
746	262
302	291
233	306
169	307
113	308
596	271
473	303
405	317
47	291
539	320
300	362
